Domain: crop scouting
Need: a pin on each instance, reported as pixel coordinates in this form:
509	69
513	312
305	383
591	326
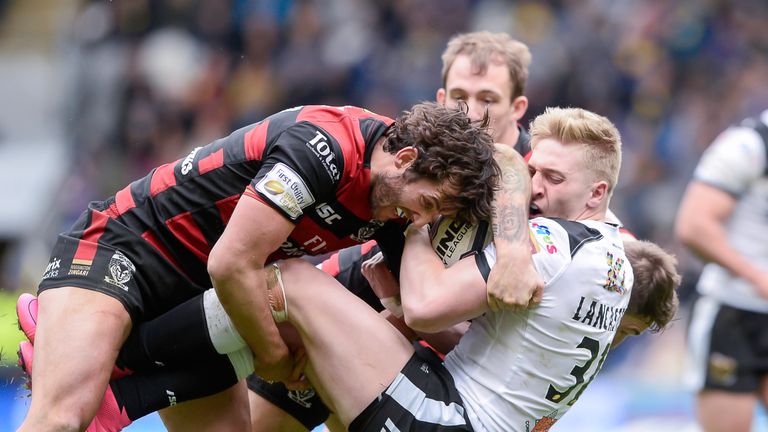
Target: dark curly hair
656	279
453	151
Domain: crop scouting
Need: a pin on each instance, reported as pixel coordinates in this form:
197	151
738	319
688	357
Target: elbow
686	231
224	267
421	318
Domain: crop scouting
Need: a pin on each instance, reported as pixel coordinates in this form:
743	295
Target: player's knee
58	420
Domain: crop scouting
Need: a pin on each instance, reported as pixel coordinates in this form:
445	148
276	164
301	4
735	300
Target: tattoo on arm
511	201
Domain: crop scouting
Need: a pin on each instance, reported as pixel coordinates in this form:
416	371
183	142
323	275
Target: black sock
173	338
144	393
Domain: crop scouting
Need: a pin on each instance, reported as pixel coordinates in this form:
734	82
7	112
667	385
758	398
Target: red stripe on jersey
89	241
331	265
186	230
124	200
211	162
152	239
226	206
256	140
343	125
367	246
162	178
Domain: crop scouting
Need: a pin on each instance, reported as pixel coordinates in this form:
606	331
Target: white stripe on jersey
413	399
704	313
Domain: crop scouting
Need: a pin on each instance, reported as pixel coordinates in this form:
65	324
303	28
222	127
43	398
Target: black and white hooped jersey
310	163
737	163
521	371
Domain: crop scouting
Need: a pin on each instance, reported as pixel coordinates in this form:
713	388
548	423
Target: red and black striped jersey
310	163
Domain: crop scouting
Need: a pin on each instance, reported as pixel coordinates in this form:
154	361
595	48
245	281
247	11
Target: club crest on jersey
284	187
616	274
121	270
366	232
302	397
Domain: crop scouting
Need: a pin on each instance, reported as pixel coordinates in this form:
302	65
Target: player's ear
405	157
599	194
519	107
440	96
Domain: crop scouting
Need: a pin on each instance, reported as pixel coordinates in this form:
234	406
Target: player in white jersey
517	369
723	219
574	167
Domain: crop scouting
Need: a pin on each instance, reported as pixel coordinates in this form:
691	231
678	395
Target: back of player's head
601	139
485	47
656	279
454	151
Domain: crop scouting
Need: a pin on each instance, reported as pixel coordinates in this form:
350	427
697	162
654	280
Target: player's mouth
534	210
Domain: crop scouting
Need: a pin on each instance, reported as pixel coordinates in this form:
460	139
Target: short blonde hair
485	47
579	126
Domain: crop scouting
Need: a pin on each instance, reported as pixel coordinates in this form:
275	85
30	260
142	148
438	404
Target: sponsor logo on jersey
544	236
291	249
598	315
327	213
284	187
365	233
186	165
171	397
616	274
543	424
302	397
322	149
722	369
121	270
80	267
52	269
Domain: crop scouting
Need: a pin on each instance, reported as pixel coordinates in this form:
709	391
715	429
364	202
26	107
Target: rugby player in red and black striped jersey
308	180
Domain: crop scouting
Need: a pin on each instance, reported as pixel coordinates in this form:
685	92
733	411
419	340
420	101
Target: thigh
275	408
223	412
722	411
353	352
79	333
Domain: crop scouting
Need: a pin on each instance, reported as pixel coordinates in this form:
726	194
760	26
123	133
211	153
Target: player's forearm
510	203
242	293
432	299
510	208
708	240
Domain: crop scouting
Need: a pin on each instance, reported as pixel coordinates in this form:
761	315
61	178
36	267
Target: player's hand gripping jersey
521	371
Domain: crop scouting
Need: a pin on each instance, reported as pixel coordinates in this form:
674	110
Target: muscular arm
700	226
513	281
236	268
435	297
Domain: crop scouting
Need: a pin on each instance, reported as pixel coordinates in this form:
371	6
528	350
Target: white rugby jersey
521	371
736	163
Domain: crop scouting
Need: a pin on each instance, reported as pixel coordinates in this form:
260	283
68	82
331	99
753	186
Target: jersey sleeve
550	248
733	161
301	168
